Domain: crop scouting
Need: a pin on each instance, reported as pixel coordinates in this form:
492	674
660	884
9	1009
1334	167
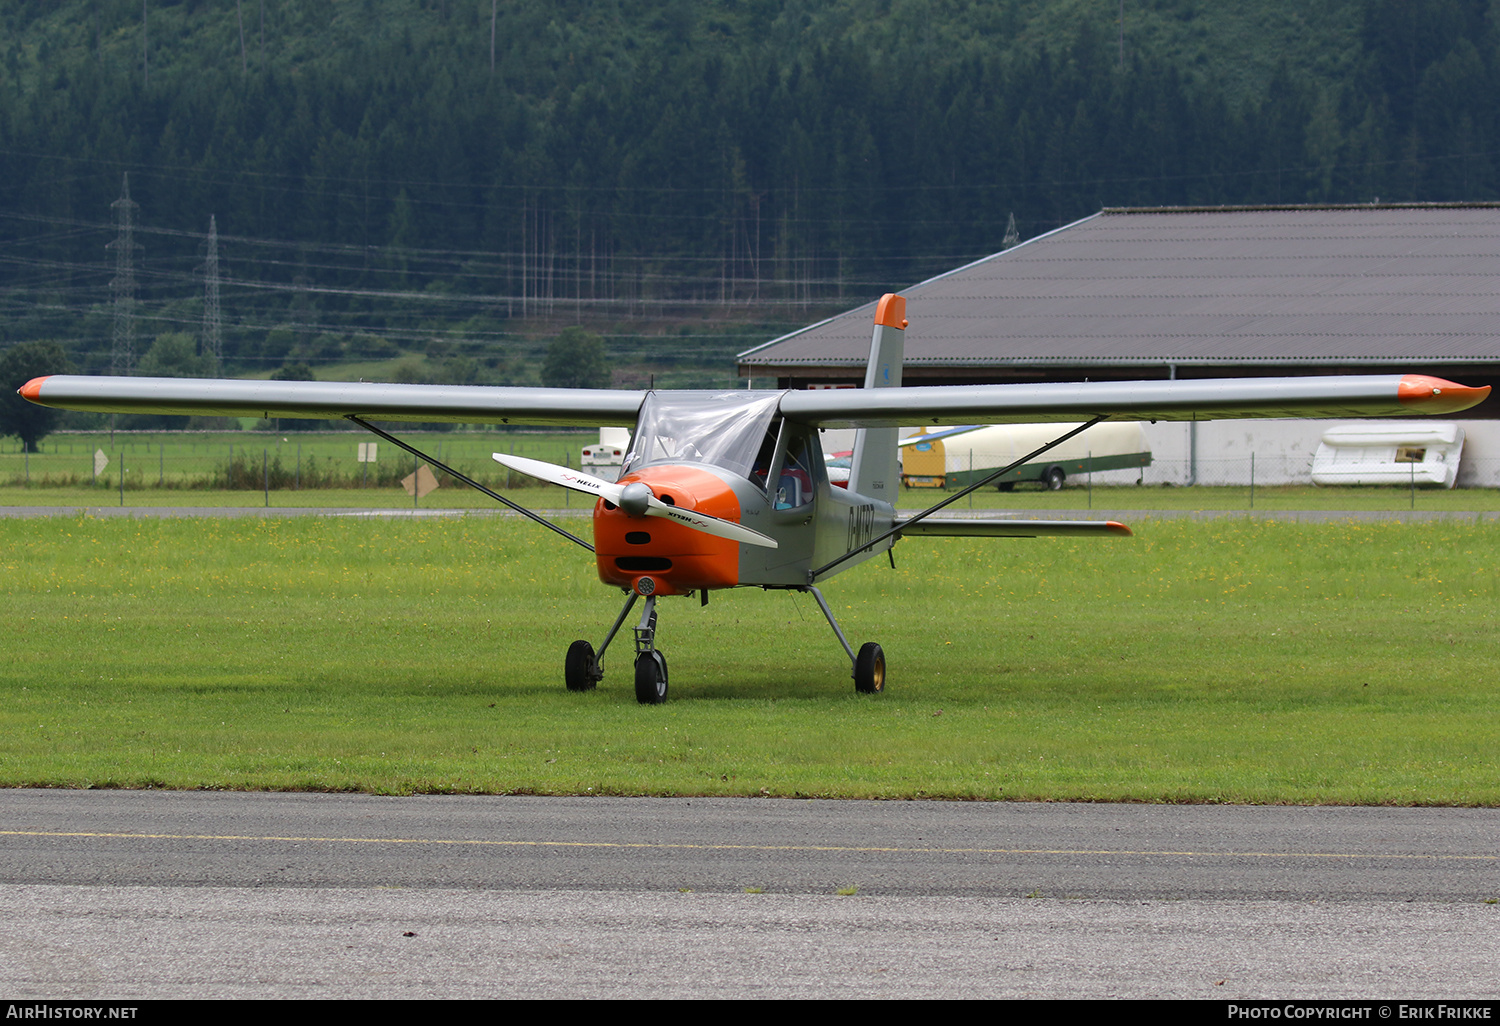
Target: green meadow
320	469
159	463
453	495
1226	661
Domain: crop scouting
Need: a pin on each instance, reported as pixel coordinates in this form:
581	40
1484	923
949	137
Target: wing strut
467	480
813	575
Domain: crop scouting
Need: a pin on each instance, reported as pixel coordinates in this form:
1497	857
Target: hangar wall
1283	451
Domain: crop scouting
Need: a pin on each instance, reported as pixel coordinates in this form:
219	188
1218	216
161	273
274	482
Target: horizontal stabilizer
1010	528
937	436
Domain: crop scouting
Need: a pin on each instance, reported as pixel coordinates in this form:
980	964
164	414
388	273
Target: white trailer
1390	453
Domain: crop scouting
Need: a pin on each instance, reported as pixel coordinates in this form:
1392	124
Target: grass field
456	496
297	460
453	495
1227	661
320	470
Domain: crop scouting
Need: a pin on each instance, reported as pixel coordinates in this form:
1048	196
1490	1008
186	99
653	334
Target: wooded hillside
380	171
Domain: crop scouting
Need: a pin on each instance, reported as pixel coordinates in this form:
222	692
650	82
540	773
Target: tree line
757	155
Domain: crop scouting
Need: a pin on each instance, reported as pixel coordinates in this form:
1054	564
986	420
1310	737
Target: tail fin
875	471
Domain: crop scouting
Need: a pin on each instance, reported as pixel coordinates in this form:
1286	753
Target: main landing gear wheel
651	678
869	670
578	670
1055	478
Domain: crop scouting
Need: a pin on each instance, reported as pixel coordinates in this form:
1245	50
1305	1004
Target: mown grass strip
1225	661
455	496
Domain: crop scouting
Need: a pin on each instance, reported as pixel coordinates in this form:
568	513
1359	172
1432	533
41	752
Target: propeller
636	499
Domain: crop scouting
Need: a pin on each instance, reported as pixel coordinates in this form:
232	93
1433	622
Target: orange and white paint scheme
678	559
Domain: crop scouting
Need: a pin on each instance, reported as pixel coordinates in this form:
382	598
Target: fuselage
811	522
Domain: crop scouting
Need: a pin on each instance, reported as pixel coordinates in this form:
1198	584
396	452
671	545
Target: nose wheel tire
651	678
869	670
579	671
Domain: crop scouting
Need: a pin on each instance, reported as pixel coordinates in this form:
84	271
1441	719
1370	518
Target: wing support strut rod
467	480
813	575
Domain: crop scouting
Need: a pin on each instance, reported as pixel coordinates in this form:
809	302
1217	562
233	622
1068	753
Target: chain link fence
270	462
246	461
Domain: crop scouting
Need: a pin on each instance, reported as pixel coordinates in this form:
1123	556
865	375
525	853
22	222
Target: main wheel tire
1055	478
578	668
869	669
651	678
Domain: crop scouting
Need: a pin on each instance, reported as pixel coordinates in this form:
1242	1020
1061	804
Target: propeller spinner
635	498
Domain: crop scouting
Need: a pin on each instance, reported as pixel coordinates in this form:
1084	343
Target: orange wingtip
32	390
1425	394
891	311
1115	527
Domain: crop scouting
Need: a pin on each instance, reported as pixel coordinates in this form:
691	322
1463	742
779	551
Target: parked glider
729	489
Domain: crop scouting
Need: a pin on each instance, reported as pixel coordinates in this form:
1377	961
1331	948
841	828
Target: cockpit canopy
722	429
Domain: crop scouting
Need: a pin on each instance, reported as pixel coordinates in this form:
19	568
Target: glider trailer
729	489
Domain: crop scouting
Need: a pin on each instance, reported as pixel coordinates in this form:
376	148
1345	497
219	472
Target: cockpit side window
795	481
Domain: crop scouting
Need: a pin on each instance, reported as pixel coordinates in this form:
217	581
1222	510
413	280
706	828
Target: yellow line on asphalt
743	847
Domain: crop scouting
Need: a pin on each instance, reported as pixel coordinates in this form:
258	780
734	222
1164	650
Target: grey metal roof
1289	285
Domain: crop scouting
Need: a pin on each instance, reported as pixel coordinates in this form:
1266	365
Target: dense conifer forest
453	180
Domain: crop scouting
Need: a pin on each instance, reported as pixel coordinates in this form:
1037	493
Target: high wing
216	397
1381	395
1208	399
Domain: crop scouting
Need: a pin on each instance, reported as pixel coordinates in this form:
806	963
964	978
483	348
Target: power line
213	341
122	286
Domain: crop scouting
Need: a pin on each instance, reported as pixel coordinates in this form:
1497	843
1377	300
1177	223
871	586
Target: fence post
416	485
265	476
1413	466
122	475
1091	479
161	465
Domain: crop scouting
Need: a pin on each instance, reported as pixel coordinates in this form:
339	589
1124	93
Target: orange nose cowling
678	559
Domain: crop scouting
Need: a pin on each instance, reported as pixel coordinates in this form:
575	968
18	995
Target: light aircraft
729	489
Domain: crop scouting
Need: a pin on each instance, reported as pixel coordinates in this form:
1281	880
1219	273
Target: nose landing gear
650	664
584	668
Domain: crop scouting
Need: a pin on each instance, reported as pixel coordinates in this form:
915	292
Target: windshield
725	429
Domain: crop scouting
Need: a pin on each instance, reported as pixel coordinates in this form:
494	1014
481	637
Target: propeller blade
709	525
580	482
553	474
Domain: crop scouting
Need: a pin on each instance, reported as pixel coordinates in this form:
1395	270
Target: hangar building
1129	294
